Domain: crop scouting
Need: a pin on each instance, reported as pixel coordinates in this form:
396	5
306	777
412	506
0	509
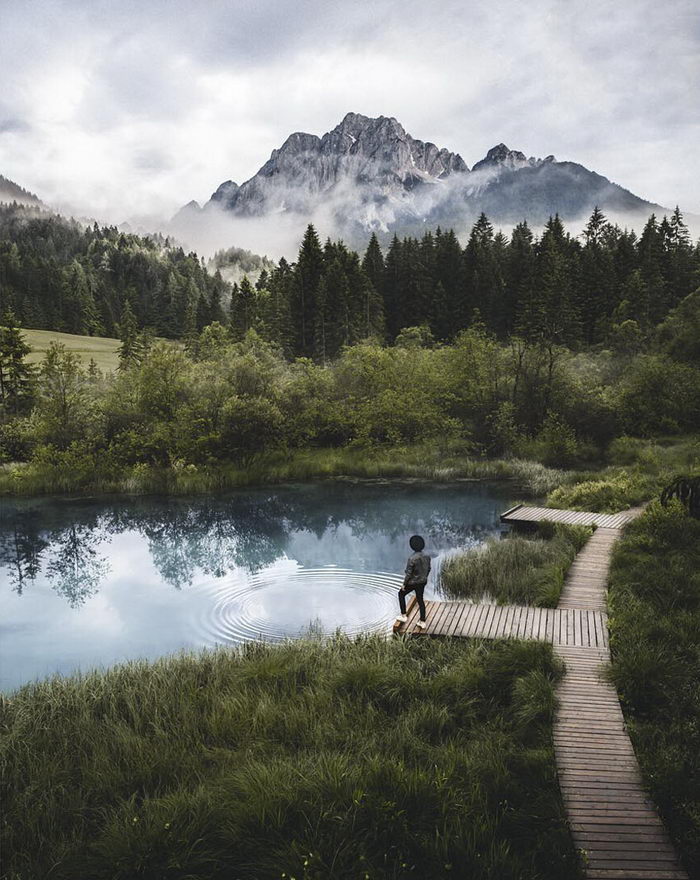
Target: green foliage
686	490
555	445
516	570
16	375
655	641
679	335
657	395
65	410
639	469
608	495
375	758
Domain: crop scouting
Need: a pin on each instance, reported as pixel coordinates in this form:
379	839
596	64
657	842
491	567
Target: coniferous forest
608	286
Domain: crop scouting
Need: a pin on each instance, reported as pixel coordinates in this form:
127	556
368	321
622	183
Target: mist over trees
609	286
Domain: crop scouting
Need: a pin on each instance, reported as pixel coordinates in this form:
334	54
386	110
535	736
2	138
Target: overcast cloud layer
134	108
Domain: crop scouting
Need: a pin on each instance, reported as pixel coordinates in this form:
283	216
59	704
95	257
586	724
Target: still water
92	582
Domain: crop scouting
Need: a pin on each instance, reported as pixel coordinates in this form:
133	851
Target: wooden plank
440	617
469	625
454	622
490	630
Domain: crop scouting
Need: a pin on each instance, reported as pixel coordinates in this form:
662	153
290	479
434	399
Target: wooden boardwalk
611	818
521	515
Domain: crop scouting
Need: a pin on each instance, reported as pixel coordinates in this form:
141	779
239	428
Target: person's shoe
421	624
402	618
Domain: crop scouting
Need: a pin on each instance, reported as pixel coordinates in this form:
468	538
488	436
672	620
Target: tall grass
312	759
435	463
523	570
654	599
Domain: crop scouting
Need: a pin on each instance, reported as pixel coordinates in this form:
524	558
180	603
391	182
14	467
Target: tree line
608	286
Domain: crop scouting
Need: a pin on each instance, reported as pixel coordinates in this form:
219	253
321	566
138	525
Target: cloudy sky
132	108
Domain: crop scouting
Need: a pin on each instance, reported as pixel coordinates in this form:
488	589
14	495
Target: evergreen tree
373	263
596	280
307	277
16	375
243	309
449	288
130	351
484	284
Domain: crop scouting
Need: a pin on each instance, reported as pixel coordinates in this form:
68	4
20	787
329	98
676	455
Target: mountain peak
502	158
369	174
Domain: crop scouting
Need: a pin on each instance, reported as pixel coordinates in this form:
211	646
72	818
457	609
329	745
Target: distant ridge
13	192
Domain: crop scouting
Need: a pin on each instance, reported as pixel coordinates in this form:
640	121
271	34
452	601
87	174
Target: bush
16	440
556	445
609	495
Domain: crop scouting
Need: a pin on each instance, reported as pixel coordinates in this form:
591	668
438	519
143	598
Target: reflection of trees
75	567
248	530
209	536
31	537
21	547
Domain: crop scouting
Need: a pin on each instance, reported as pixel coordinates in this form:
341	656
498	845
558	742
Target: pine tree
596	280
519	284
243	308
307	276
373	263
130	351
392	292
16	376
450	284
484	284
651	266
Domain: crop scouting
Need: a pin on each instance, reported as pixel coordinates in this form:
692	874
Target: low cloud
122	110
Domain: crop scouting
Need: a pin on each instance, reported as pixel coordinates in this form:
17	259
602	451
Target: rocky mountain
370	174
13	192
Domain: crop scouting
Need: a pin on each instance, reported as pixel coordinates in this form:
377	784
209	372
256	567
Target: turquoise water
93	582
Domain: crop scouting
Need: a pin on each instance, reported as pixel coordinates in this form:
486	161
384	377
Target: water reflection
91	581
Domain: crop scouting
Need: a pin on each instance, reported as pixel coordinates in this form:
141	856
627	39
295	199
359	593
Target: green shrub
609	495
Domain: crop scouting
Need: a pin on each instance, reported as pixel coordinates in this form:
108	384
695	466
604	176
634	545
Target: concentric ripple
285	601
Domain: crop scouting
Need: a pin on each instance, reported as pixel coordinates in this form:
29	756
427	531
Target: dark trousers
419	596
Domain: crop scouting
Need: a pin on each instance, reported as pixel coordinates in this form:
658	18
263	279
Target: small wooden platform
569	626
523	515
612	820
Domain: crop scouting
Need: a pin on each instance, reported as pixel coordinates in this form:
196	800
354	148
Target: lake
91	582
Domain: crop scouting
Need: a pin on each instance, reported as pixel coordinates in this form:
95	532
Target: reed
516	570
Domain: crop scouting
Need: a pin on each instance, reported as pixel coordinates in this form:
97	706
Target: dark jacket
417	570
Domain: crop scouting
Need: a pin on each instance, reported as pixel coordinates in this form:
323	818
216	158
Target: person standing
415	579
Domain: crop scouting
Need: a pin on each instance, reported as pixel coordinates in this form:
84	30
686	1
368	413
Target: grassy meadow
98	348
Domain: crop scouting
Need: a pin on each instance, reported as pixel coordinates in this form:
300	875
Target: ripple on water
275	605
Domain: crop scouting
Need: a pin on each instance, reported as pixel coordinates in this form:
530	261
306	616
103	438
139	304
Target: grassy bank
367	759
519	570
655	639
637	469
78	471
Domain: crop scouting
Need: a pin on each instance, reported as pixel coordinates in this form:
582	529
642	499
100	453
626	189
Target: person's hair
416	543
